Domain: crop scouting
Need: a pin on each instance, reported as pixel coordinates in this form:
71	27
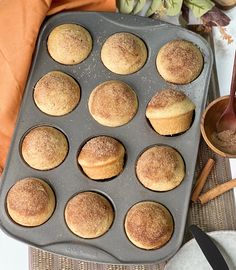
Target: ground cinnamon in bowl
225	141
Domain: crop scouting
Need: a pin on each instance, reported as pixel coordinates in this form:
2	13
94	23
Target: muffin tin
124	190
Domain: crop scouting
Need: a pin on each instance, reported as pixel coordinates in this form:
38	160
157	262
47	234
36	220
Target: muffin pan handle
83	250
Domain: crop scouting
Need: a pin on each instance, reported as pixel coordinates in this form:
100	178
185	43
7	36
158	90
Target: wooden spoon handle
233	83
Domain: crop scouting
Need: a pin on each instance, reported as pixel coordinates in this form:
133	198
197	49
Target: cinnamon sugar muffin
56	93
170	112
89	215
113	103
69	44
30	202
102	157
124	53
44	148
160	168
179	61
149	225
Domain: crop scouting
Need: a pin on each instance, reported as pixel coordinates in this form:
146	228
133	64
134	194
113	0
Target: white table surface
14	255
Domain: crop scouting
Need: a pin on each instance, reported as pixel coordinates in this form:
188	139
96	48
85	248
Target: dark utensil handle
233	83
209	249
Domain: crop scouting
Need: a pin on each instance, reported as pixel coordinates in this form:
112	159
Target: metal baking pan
125	190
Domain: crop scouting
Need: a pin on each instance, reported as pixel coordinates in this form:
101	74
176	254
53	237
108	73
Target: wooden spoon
227	120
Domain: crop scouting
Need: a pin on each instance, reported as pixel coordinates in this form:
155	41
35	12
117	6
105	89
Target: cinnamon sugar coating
56	93
179	61
113	103
30	202
89	215
124	53
160	168
149	225
102	157
69	44
44	147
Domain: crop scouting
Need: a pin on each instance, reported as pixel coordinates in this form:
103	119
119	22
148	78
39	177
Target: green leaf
199	7
155	5
173	7
125	6
139	6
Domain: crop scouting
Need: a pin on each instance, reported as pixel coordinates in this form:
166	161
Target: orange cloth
20	21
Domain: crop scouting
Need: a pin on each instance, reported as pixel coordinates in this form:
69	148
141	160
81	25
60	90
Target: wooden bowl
209	120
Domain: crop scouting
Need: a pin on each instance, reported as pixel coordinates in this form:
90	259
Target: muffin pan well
125	190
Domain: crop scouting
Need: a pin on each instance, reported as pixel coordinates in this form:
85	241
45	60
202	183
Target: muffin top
89	214
100	150
149	225
124	53
44	147
30	202
160	168
113	103
69	44
179	61
169	103
56	93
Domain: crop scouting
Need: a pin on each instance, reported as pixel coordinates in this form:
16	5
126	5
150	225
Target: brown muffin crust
44	147
179	61
69	44
100	149
124	53
113	103
160	168
166	98
102	158
30	202
149	225
56	93
170	112
157	163
89	215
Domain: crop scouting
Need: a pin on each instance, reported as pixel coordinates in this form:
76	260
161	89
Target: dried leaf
225	35
215	17
139	6
185	13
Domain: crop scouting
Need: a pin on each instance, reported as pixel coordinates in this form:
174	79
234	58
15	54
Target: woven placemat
218	214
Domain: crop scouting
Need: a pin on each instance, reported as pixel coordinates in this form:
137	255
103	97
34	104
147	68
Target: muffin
102	157
113	103
69	44
179	61
56	93
44	148
124	53
170	112
160	168
149	225
89	215
30	202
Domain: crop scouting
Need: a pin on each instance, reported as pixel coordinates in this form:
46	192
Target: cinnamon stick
202	179
216	191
